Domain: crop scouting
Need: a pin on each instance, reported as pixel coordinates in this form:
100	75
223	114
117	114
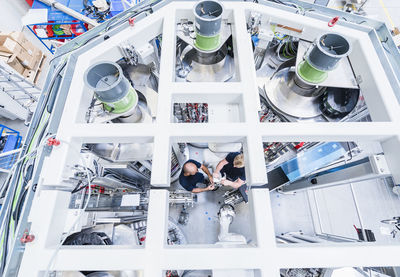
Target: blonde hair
238	161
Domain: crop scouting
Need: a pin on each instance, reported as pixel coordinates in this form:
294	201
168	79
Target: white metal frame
49	210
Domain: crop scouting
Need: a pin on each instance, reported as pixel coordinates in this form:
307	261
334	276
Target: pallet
33	74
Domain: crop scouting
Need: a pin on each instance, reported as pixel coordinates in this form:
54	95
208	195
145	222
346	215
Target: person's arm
206	171
198	190
237	184
220	165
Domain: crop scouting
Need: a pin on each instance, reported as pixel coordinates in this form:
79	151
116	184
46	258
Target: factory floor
382	10
203	224
339	210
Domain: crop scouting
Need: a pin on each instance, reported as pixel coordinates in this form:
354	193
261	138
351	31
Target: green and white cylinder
208	17
111	87
323	57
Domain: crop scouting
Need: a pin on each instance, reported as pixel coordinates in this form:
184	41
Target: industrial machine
204	46
310	102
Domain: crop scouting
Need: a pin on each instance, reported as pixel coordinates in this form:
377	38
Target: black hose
76	189
53	96
18	208
22	196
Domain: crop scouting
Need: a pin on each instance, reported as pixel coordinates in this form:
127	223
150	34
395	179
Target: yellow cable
387	13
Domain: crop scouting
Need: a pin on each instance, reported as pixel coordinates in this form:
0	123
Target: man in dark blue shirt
233	167
190	176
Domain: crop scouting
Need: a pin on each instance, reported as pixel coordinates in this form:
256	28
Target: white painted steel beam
322	131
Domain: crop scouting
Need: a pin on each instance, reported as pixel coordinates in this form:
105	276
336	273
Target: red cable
266	149
299	145
333	21
263	117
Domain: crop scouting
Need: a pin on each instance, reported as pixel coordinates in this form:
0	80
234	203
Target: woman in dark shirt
233	167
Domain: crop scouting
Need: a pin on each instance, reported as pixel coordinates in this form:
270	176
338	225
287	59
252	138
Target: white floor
292	213
383	10
337	211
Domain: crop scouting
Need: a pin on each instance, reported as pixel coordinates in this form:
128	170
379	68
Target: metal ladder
18	89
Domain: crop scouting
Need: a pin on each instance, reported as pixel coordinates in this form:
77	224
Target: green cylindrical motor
323	57
111	87
208	16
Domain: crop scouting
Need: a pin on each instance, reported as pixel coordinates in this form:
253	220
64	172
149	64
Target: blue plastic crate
116	7
13	141
58	16
54	14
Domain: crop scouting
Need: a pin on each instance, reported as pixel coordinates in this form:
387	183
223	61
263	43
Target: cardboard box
37	54
8	45
30	61
15	64
5	56
22	41
16	43
30	75
11	60
27	60
34	60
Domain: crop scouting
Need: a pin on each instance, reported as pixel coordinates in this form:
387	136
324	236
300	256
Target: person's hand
216	175
211	187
